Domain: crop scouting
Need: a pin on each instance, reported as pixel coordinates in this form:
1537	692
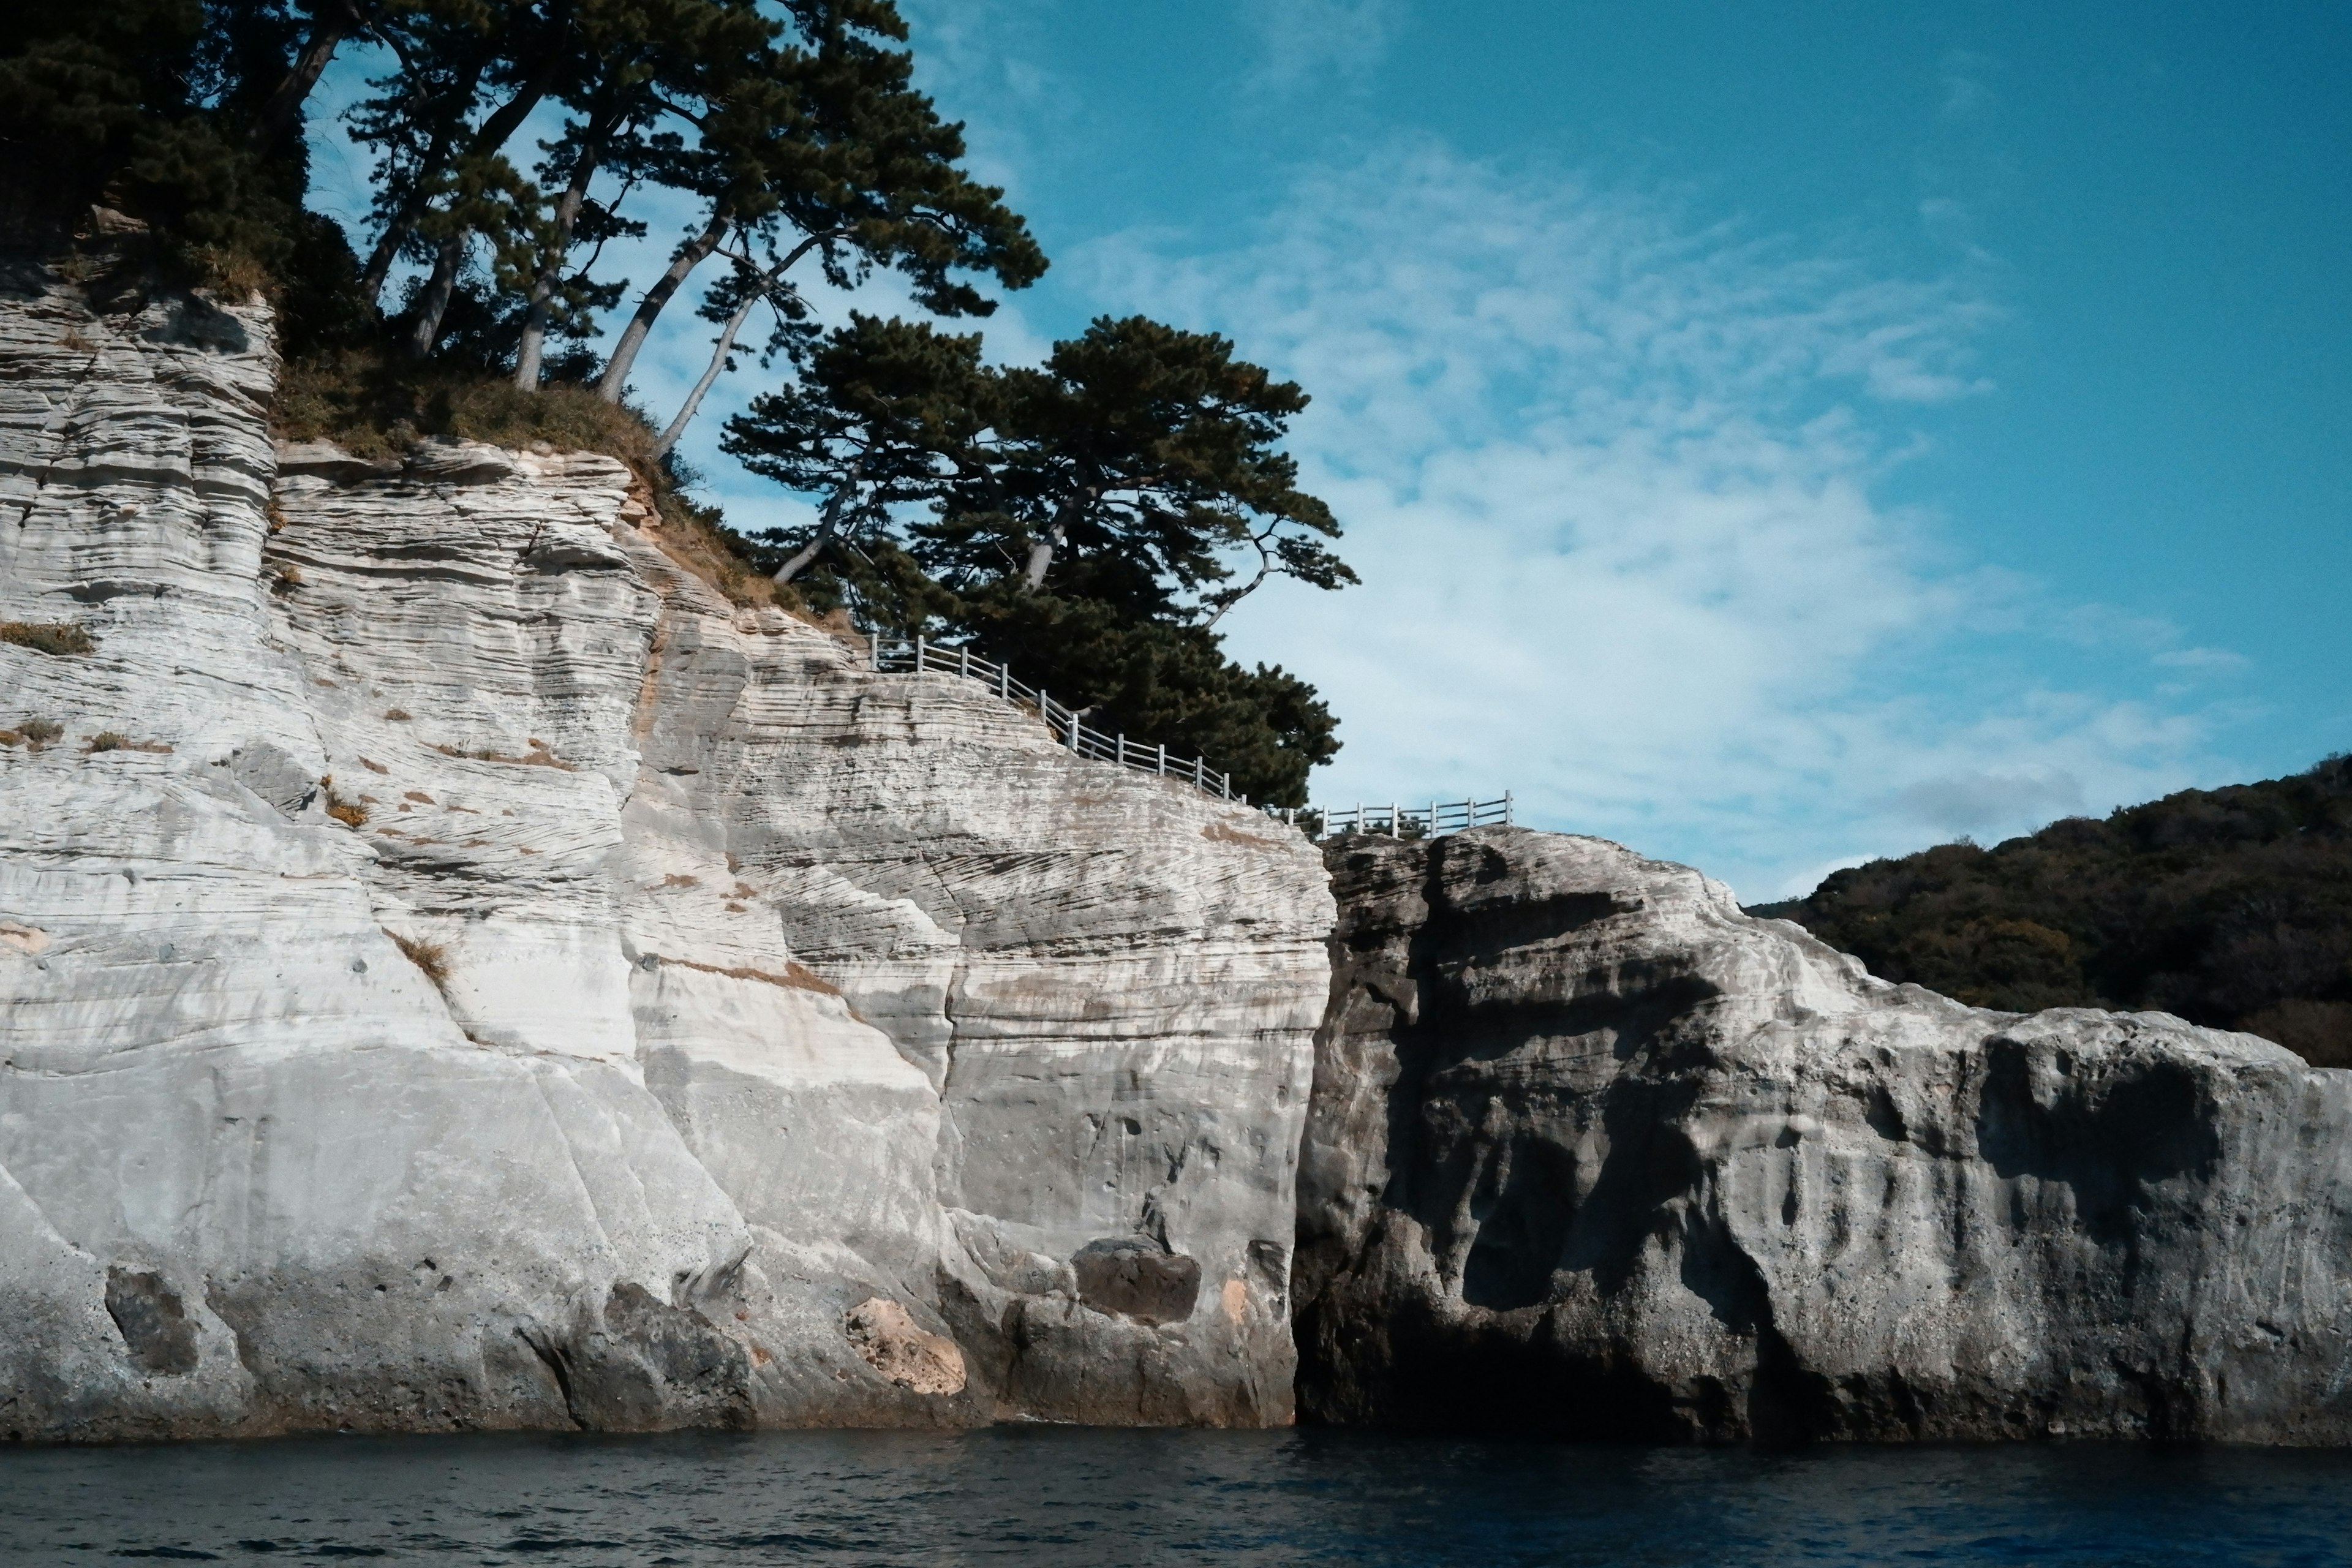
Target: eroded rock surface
496	982
1592	1152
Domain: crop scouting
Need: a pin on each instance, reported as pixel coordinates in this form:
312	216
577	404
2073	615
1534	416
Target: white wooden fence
915	655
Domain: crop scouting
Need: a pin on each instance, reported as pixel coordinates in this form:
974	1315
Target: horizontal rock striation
1592	1152
456	970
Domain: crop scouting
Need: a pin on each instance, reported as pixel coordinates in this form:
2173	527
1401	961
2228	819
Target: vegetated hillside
2230	907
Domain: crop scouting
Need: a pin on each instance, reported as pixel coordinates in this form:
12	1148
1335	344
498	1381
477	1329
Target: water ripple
1053	1497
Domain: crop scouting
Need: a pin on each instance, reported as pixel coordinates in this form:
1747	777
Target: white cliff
485	978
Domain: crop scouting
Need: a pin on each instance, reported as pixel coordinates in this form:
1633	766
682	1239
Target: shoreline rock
1594	1153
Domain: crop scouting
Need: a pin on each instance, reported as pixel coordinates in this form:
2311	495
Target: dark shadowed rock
148	1315
1590	1151
1136	1279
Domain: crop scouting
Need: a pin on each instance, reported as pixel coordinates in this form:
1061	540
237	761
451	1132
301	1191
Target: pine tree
1151	452
830	151
888	416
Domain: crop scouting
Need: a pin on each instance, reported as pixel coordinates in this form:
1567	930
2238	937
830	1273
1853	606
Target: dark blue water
1054	1495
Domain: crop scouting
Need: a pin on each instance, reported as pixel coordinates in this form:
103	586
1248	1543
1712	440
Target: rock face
1592	1152
459	970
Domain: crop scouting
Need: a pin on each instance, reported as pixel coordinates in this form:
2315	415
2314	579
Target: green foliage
1089	519
888	411
1159	681
1076	520
1149	450
100	105
2230	908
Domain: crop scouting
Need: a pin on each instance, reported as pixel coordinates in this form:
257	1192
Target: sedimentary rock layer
460	970
1592	1152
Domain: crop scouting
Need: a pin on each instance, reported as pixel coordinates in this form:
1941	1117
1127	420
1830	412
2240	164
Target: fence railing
916	657
1427	821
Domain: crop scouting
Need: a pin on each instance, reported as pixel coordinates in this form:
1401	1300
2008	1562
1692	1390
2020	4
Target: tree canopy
1090	518
2230	908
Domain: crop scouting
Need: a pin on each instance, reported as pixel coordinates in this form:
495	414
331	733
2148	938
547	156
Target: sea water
1061	1495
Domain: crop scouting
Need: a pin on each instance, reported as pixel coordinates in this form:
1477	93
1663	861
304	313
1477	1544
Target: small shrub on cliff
350	813
431	957
48	637
116	740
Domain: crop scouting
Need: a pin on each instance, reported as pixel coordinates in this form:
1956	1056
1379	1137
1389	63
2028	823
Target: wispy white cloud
2213	660
1964	91
1613	478
1303	39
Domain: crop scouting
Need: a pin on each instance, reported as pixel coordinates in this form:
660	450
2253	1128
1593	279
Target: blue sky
1770	435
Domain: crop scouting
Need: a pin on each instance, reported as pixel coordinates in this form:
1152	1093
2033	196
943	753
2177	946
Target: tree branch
668	438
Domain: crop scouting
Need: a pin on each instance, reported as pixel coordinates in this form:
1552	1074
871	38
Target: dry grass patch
59	638
376	406
431	957
32	733
539	758
115	741
350	813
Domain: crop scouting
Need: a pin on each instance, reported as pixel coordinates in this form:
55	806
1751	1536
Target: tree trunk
493	135
1040	552
1265	565
677	427
396	233
412	208
828	525
434	303
542	288
334	24
624	354
668	438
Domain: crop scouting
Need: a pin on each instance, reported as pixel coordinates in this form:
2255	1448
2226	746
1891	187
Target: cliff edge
462	972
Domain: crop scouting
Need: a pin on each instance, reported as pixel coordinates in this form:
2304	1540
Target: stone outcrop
1592	1152
459	970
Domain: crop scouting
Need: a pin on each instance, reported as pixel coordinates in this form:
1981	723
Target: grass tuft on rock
350	813
59	638
376	406
432	957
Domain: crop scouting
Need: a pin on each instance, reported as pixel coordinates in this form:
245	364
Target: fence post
1075	727
1198	782
1163	756
1004	682
874	652
1229	785
1122	747
1432	819
919	653
1507	808
965	656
